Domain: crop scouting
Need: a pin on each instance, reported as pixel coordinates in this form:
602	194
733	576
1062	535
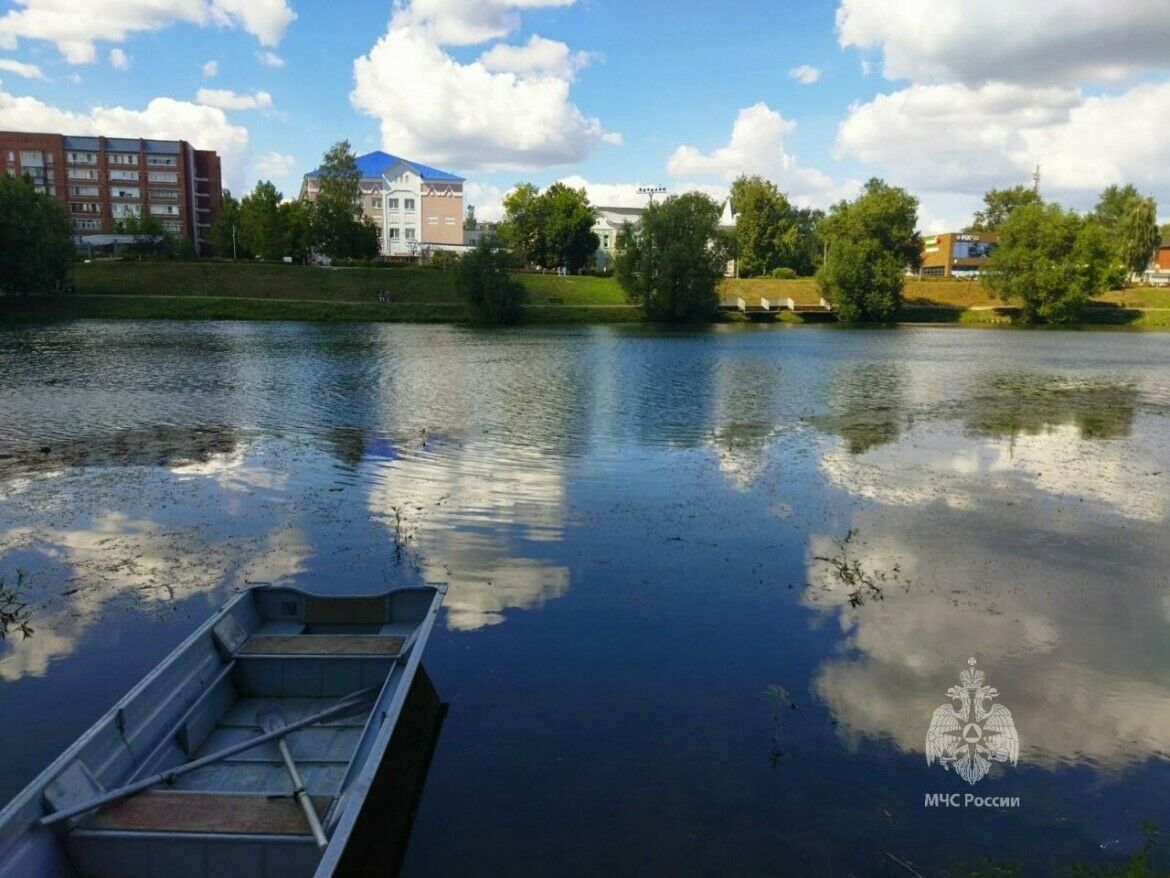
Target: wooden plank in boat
322	644
165	811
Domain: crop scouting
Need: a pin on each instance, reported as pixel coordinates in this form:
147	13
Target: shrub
784	273
445	259
493	295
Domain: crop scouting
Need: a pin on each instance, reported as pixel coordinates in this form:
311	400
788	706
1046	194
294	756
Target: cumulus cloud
1042	41
467	22
487	199
225	99
466	116
958	138
627	194
537	56
756	146
275	164
76	28
163	118
28	71
119	60
270	59
805	74
210	68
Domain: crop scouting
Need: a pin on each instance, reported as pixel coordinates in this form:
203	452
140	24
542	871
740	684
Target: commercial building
956	254
103	180
415	207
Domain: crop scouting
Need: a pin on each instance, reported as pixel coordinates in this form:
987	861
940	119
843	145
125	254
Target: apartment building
415	207
103	180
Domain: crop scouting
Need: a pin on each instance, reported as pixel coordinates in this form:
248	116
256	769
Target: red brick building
102	180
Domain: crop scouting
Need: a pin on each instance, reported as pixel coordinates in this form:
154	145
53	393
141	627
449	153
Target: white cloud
756	146
119	60
210	68
28	71
433	108
275	164
805	74
488	201
467	22
75	28
954	138
225	99
163	118
270	59
1041	41
627	195
536	57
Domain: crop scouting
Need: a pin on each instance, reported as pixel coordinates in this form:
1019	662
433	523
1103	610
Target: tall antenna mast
651	191
1036	180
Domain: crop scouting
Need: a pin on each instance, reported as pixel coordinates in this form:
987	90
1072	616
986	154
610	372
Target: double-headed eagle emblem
973	732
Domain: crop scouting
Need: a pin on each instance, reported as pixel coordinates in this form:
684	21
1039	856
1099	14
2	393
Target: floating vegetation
846	570
783	702
1013	404
14	614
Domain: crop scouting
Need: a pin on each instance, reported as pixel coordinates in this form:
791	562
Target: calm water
707	590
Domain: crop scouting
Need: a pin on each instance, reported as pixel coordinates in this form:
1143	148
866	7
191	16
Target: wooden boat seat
322	645
167	811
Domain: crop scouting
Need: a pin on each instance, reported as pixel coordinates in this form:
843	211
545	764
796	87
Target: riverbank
252	291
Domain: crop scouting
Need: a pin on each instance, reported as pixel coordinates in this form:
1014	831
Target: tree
670	262
225	228
341	230
150	236
493	295
761	223
998	205
1112	206
1138	234
568	235
1050	261
36	240
553	228
298	219
261	226
770	232
520	229
469	221
871	241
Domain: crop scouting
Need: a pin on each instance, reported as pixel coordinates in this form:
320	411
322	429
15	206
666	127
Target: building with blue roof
416	208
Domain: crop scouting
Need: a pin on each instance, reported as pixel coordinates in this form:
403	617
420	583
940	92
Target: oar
352	702
271	721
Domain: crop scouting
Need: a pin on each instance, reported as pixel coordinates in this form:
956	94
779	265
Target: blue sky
614	94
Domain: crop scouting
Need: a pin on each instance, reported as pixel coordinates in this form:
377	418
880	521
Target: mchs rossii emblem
973	731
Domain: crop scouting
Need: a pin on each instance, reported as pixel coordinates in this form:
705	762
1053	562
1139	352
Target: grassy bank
255	291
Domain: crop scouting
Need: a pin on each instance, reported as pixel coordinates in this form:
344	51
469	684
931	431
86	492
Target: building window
164	209
392	233
449	221
122	158
171	225
125	192
392	204
409	234
84	191
81	158
161	177
408	204
88	224
164	194
11	156
82	174
605	241
33	159
121	211
432	220
84	207
131	176
161	161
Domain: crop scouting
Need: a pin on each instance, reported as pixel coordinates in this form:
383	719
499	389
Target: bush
1117	277
784	273
493	295
445	259
862	280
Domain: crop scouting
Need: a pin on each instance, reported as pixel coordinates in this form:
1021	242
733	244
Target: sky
943	97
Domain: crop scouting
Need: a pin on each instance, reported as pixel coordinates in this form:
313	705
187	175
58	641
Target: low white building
607	223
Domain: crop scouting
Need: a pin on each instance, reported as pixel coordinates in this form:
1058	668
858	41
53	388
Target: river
707	589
